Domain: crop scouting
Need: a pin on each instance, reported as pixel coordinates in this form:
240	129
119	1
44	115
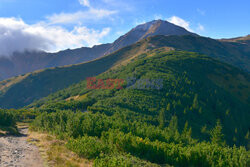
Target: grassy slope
186	76
22	91
234	53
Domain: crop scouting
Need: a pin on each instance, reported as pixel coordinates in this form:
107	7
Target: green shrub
7	118
122	161
88	147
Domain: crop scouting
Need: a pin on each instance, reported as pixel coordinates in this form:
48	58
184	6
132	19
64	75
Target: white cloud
180	22
84	3
200	27
16	35
157	17
119	4
90	36
80	16
201	12
139	22
49	35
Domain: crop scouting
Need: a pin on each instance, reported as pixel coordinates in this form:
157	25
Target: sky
54	25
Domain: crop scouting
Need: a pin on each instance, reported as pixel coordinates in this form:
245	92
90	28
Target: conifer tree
173	128
195	102
162	119
216	134
186	133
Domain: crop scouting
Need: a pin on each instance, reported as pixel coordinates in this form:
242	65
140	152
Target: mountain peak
148	24
160	23
142	31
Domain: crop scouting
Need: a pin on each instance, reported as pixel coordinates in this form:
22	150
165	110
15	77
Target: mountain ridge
41	83
22	63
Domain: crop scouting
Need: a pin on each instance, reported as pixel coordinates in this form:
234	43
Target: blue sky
53	25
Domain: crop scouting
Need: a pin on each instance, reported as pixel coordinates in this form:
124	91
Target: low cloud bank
16	35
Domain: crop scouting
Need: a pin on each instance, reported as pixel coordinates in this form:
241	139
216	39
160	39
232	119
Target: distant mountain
23	90
22	63
156	27
238	39
245	41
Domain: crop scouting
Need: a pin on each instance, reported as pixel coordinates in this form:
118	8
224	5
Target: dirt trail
15	151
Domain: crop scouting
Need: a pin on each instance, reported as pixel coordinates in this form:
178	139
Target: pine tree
195	102
186	133
216	134
173	128
162	119
168	107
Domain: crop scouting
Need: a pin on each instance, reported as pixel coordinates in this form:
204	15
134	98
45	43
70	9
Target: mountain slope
236	54
21	63
21	91
195	88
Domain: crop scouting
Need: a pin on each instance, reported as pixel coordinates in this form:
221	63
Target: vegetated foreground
199	118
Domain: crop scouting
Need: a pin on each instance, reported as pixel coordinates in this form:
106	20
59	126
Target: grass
54	151
9	82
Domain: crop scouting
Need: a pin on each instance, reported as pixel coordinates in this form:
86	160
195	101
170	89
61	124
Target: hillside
181	121
220	88
22	63
23	90
244	39
40	84
236	54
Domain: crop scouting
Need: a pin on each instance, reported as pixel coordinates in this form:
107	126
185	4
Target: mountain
195	88
35	85
23	90
234	53
156	27
244	39
174	108
22	63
